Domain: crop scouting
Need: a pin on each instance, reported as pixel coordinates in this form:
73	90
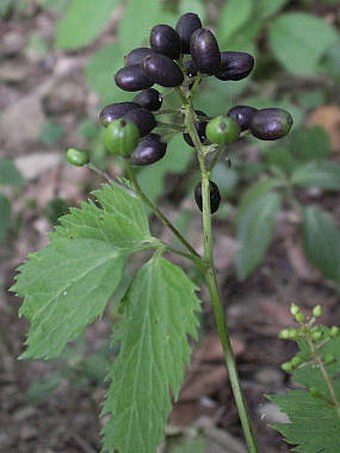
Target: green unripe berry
316	335
121	137
296	361
294	309
300	317
287	367
317	311
334	331
329	359
77	157
288	334
222	130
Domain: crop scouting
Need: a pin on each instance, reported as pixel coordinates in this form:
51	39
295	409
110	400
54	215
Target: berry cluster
179	59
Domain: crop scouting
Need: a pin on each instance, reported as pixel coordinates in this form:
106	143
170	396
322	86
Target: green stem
157	211
210	275
170	126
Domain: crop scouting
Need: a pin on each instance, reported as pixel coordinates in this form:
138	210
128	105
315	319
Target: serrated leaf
139	17
255	192
299	40
314	426
254	232
118	218
100	70
9	174
233	15
160	312
5	216
66	287
83	22
325	175
322	242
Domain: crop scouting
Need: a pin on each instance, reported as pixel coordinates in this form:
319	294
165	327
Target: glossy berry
143	119
186	25
235	65
204	51
121	137
114	111
215	196
270	124
162	70
150	99
223	130
133	78
136	56
77	157
242	114
190	68
200	126
165	40
150	149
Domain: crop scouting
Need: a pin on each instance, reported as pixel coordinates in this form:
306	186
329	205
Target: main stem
210	275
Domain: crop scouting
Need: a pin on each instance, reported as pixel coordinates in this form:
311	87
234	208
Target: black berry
242	114
271	124
200	126
162	70
143	119
136	56
114	111
165	40
190	68
215	196
150	149
204	51
235	65
186	25
133	78
150	99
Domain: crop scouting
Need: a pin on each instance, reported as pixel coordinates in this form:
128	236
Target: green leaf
120	220
278	156
267	8
256	192
160	313
139	17
83	22
325	174
322	242
299	40
314	424
254	231
5	216
9	174
196	6
100	70
233	15
309	143
66	287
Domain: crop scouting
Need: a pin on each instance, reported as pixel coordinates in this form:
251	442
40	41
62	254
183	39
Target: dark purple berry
162	70
114	111
215	196
186	25
136	56
190	69
242	114
165	40
143	119
271	124
150	149
200	126
150	99
235	65
204	51
133	78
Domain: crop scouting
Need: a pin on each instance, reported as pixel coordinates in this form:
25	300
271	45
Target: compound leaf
160	311
83	22
325	174
254	231
66	286
299	40
322	242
